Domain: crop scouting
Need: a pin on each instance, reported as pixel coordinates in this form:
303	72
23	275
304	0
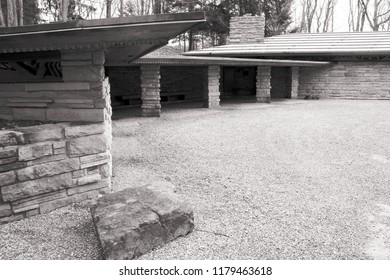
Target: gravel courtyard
294	179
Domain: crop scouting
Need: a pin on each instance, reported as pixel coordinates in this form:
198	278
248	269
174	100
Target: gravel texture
288	180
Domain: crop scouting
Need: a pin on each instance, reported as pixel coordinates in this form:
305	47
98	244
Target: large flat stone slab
134	221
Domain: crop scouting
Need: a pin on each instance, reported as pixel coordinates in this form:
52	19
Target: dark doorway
238	82
281	82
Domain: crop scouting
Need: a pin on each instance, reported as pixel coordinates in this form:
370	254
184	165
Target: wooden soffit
126	32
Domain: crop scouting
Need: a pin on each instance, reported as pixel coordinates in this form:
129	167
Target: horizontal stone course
84	130
10	138
8	160
58	86
51	205
53	162
36	187
86	115
47	169
46	159
35	114
42	133
12	166
83	73
87	145
5	210
88	179
102	185
360	80
8	152
7	178
35	151
22	203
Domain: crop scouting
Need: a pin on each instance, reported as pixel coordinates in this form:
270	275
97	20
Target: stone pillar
69	160
211	95
294	82
150	86
263	84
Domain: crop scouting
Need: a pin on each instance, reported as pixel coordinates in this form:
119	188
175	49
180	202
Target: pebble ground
287	180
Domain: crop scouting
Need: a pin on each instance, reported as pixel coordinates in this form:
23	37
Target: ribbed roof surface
301	44
222	61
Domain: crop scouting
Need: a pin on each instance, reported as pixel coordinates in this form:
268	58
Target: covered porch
152	81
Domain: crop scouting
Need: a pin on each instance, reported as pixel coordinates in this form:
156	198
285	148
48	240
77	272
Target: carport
206	79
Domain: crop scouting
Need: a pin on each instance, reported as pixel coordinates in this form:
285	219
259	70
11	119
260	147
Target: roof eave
223	61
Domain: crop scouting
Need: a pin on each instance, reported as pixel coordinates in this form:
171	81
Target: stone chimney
247	29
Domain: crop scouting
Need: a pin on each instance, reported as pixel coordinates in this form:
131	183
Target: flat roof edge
193	16
195	60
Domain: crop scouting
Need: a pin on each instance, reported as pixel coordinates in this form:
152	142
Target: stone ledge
136	220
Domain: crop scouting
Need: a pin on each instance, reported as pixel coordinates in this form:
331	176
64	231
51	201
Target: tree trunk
21	13
121	8
109	2
190	33
2	21
11	13
64	10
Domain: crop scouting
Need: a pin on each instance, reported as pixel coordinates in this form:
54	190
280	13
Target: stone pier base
150	86
212	93
294	82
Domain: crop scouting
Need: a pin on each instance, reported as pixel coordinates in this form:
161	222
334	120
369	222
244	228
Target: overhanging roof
222	61
131	37
304	44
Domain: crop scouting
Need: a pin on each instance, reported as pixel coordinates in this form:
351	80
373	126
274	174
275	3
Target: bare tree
327	19
377	14
309	8
356	17
317	15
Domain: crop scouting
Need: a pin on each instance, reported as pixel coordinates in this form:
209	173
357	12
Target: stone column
150	86
263	84
294	82
211	95
69	160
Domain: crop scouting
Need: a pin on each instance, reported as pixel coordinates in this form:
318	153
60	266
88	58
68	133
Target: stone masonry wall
182	80
50	166
247	29
82	96
357	80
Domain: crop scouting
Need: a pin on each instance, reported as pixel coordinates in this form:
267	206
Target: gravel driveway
288	180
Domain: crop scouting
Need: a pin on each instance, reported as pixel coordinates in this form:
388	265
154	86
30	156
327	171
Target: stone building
56	74
69	74
329	65
359	62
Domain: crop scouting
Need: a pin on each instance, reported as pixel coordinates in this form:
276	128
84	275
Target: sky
340	17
